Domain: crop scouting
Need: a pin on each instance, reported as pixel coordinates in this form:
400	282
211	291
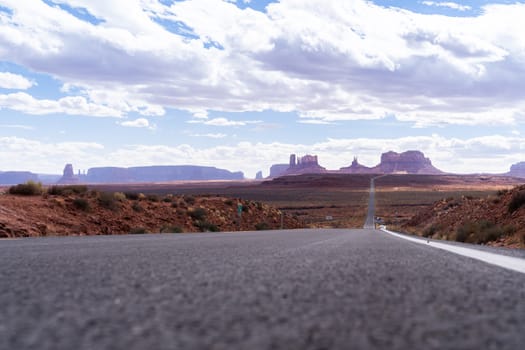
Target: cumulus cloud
210	135
451	5
138	123
223	122
71	105
45	157
326	60
14	81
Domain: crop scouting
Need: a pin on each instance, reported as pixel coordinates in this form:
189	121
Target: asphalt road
303	289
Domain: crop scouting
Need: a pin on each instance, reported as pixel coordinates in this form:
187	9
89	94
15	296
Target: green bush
171	229
66	190
198	214
136	207
132	195
502	192
431	230
189	200
81	204
119	196
262	226
138	231
153	198
205	226
481	232
107	200
517	201
30	188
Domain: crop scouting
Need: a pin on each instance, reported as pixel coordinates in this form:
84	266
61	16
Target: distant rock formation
277	170
409	162
68	176
17	177
307	164
356	168
259	175
159	174
517	170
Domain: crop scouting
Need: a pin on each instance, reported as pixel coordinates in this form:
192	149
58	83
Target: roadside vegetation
79	210
490	217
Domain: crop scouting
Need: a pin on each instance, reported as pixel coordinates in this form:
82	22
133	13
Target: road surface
302	289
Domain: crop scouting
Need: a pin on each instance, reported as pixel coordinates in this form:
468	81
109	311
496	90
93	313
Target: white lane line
507	262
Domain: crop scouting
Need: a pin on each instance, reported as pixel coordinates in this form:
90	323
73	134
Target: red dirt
443	219
48	215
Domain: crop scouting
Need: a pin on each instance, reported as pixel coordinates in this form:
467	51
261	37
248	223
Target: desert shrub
174	204
260	206
119	196
502	192
66	190
132	195
262	226
138	231
167	199
81	204
228	202
171	229
198	214
30	188
464	231
153	197
107	200
245	208
189	200
517	201
431	230
136	207
487	234
481	232
205	226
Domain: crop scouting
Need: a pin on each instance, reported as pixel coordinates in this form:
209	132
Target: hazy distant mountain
158	174
16	177
517	170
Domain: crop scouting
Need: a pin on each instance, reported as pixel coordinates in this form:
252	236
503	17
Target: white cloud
210	135
14	81
71	105
138	123
451	5
448	154
44	157
16	126
224	122
326	60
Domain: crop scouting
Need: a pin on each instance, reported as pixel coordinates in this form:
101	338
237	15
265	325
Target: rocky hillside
74	210
495	220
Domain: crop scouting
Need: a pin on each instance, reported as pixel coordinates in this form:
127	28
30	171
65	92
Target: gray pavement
303	289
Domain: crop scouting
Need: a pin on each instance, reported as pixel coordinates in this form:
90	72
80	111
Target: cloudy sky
242	84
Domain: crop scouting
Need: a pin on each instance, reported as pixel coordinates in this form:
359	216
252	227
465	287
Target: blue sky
242	84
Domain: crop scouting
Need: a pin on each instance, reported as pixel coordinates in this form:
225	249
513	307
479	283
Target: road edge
507	262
